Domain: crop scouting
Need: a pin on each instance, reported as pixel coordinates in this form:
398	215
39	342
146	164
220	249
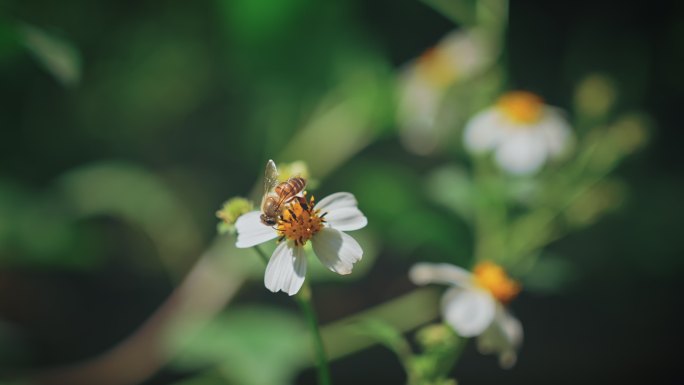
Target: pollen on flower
300	221
521	107
494	279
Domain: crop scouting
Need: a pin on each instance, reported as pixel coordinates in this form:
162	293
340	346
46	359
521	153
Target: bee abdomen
291	187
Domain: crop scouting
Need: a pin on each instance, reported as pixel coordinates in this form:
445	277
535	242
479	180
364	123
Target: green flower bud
437	336
595	96
602	198
630	133
232	209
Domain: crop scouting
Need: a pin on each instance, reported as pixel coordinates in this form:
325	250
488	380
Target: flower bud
437	336
595	96
629	133
232	209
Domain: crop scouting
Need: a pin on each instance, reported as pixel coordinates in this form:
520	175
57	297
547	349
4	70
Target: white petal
346	219
503	337
419	101
417	111
338	200
424	273
556	131
468	51
342	212
483	132
251	232
286	269
511	327
468	311
522	153
336	250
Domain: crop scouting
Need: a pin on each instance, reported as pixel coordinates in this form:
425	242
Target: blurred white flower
522	131
424	81
475	305
300	222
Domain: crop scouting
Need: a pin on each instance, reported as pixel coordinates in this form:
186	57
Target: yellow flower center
299	221
434	65
494	279
521	107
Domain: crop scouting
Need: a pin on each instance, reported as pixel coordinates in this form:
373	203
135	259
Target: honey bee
277	194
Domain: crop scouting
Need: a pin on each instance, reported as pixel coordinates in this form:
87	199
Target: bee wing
270	176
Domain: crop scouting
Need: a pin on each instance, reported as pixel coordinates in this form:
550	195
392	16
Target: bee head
268	221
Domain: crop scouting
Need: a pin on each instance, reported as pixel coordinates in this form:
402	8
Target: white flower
300	222
475	305
522	131
424	82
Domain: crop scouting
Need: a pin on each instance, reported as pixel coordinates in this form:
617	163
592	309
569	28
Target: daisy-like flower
521	130
303	220
424	82
475	305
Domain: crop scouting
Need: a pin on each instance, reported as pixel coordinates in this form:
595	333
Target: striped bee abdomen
290	187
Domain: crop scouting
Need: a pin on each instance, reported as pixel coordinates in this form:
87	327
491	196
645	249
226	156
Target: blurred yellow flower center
521	107
299	221
492	277
288	170
434	65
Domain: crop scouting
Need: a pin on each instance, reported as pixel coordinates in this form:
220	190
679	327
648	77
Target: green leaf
256	21
251	345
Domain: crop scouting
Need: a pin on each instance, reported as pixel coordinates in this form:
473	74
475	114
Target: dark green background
202	93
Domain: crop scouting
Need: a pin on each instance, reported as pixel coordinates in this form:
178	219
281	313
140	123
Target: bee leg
303	203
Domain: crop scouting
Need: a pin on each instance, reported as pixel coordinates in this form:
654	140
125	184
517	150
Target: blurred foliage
140	198
127	124
251	346
57	56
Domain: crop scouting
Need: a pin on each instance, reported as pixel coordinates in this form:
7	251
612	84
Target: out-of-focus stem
490	215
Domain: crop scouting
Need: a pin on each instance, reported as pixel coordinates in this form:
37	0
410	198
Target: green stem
576	173
303	299
456	354
264	257
535	244
490	214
